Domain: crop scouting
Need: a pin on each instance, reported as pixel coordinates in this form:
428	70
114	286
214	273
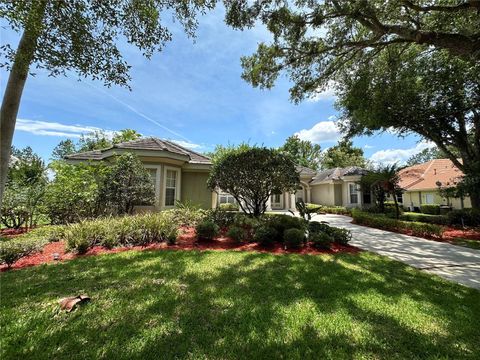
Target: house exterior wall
323	194
417	198
194	189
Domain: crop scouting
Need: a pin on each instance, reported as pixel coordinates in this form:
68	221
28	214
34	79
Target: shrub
341	236
432	209
82	236
236	233
281	223
468	217
222	218
228	207
316	227
314	208
293	238
321	240
338	210
187	216
265	235
14	249
206	230
425	218
385	223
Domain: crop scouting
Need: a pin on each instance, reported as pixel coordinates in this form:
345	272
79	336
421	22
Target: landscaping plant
293	238
206	230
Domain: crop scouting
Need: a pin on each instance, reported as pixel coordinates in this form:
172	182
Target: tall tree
93	141
343	154
424	156
304	152
405	65
82	36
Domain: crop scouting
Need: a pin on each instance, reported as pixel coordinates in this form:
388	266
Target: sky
191	92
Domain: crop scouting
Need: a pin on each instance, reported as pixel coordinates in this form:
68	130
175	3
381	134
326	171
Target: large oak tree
407	66
81	36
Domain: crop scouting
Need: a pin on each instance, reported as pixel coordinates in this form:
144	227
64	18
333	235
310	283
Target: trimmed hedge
467	217
432	209
385	223
429	219
265	235
228	207
338	210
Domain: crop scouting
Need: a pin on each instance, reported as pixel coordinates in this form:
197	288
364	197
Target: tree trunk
15	85
475	198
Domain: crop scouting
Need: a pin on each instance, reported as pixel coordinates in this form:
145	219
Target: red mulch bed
13	232
186	241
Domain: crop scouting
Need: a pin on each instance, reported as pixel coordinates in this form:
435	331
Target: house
421	184
180	174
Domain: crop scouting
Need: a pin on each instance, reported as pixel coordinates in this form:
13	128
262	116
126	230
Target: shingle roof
148	143
337	174
425	176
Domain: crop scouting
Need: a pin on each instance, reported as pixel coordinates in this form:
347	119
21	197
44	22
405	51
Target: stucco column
269	204
308	195
292	202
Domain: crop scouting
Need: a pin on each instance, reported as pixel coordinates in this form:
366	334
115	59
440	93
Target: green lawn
230	305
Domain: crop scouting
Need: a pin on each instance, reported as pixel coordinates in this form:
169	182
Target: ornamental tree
81	36
253	174
128	183
404	66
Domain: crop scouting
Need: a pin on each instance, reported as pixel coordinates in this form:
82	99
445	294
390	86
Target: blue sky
191	92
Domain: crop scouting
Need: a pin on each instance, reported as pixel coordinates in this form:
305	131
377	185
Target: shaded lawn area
230	305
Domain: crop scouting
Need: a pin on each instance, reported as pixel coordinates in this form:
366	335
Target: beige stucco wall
323	194
194	189
419	197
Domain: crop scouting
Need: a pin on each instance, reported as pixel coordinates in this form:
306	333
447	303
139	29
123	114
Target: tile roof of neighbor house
148	143
425	176
337	174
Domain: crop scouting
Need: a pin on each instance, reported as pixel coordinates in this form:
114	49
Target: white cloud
323	131
392	156
48	128
188	145
328	93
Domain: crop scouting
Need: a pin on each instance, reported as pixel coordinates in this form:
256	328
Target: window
224	198
400	198
367	197
171	187
353	193
428	198
276	198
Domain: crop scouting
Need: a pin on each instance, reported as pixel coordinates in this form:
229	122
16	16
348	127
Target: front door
277	201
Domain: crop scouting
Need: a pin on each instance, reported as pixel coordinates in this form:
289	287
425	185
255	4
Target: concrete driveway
454	263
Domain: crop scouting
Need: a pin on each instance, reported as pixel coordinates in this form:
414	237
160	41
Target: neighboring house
421	184
179	174
332	187
339	187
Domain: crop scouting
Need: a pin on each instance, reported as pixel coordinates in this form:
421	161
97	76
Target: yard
230	304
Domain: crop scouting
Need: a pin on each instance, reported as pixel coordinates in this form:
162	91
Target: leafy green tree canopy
83	37
93	141
303	152
128	183
252	174
408	66
344	154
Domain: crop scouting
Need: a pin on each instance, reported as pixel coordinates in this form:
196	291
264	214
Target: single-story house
421	184
180	174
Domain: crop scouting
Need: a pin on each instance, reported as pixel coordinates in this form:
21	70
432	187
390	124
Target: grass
230	305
